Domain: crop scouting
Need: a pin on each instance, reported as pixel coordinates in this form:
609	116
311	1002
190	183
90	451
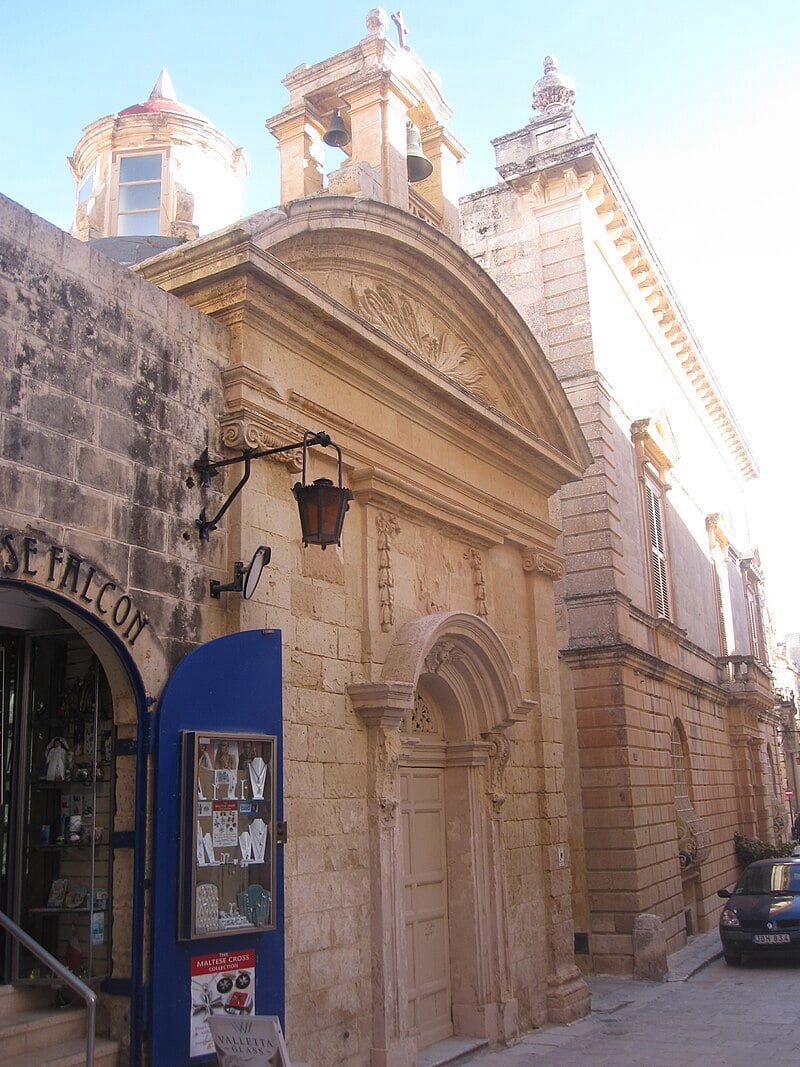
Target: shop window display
68	802
228	838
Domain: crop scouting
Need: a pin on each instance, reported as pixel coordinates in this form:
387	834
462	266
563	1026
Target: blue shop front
141	832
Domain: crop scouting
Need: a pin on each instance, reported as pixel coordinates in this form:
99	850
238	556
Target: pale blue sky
696	102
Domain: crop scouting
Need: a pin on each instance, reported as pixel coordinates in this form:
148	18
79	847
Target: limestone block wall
110	391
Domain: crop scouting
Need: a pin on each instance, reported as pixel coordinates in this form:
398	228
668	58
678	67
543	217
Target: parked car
763	911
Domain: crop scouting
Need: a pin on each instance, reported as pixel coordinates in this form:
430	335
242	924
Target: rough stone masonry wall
109	389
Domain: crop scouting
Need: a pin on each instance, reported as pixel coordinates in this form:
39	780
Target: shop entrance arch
73	728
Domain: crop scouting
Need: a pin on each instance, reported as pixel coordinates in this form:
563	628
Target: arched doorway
73	797
436	758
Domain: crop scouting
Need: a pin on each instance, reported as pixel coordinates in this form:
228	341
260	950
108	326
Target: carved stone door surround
462	662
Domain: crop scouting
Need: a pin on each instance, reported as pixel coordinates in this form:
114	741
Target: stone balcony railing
746	677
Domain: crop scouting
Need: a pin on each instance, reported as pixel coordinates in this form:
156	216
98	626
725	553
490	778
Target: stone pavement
669	1024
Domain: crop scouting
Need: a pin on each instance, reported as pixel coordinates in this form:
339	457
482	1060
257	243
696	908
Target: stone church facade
513	718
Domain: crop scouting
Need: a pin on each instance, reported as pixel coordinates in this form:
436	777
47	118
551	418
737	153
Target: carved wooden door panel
425	897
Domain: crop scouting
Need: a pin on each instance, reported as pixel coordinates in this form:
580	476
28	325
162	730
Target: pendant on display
257	770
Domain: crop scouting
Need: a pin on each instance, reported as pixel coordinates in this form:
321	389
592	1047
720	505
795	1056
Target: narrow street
720	1017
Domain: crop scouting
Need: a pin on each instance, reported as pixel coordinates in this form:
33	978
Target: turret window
139	198
86	188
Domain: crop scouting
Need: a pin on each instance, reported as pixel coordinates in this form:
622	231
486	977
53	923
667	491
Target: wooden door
427	933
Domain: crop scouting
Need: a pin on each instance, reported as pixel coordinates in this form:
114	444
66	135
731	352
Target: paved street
719	1017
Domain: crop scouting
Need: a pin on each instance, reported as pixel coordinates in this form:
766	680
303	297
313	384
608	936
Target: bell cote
381	100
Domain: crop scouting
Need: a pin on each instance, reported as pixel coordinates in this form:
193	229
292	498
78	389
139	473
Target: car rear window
775	878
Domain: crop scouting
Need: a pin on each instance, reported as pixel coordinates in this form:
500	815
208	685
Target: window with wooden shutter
658	552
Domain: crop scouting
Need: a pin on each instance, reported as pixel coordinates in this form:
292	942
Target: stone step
67	1054
24	998
33	1031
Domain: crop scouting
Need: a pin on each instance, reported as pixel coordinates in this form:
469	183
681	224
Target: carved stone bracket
543	563
476	561
387	525
694	838
243	432
499	755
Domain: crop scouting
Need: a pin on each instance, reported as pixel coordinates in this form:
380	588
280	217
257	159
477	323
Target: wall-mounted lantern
322	505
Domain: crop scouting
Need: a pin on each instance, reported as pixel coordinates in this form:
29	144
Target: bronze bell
336	134
418	165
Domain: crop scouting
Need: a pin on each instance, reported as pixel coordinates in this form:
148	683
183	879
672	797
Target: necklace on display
258	839
258	776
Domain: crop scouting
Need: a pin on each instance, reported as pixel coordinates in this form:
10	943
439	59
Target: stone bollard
649	949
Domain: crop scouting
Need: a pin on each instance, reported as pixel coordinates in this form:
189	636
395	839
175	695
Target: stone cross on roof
402	28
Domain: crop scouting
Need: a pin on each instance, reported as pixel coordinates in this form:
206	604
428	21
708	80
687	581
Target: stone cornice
159	130
637	659
484	529
585	167
402	483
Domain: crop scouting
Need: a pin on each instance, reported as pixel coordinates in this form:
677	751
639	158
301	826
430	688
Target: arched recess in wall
75	723
437	752
694	839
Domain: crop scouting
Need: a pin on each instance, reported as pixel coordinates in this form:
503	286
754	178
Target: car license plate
771	939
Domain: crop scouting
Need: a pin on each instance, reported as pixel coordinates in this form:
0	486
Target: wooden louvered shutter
658	555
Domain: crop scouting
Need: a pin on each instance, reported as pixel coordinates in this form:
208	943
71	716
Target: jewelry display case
68	810
228	835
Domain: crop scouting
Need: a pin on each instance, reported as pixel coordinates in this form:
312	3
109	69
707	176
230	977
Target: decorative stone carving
445	352
476	561
544	564
387	525
422	720
499	755
377	21
779	822
387	758
388	807
554	91
243	433
694	839
442	654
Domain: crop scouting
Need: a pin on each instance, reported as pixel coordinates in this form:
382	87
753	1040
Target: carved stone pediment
411	325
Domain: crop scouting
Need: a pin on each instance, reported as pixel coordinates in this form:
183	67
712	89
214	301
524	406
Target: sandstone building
523	701
663	644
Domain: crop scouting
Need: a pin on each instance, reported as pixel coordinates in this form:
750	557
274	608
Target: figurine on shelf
73	957
56	755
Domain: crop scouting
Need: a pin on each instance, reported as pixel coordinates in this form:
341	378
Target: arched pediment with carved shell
414	286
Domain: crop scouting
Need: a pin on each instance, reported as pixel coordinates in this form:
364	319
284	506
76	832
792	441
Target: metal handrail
66	976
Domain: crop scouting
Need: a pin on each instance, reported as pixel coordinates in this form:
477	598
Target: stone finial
377	21
163	89
555	91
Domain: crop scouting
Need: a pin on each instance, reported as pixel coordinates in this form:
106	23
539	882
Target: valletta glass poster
222	984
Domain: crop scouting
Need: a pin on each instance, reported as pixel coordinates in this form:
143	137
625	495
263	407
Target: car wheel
733	959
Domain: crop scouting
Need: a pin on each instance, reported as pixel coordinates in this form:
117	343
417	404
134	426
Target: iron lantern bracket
208	469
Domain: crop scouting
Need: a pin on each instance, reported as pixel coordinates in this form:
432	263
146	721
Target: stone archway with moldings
460	663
